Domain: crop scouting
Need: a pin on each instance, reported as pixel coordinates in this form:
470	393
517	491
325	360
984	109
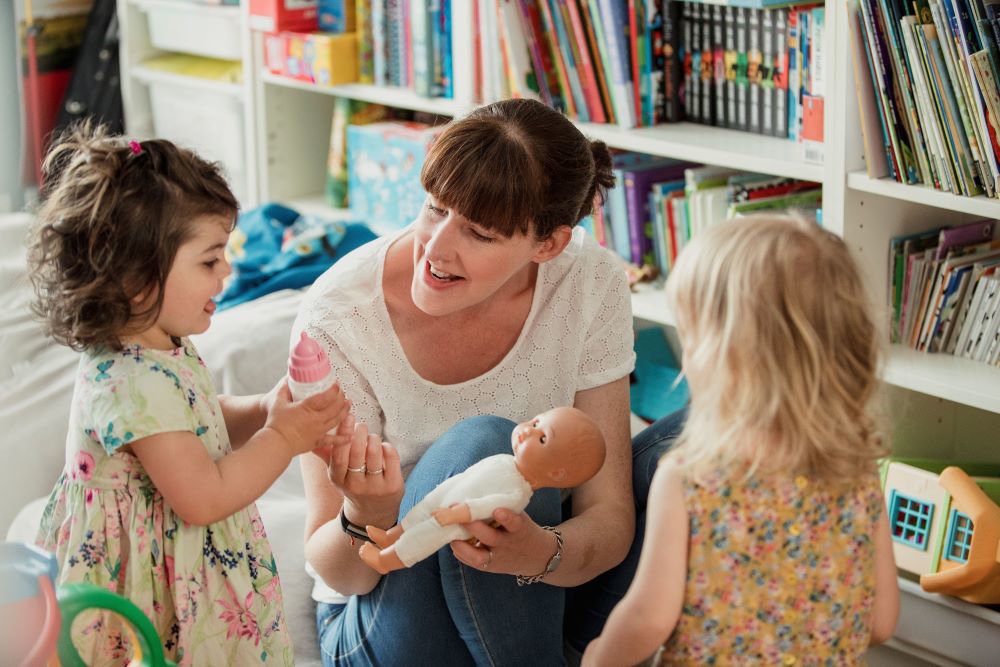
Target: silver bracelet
551	566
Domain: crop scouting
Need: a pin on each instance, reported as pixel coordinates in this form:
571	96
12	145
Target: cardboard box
337	15
279	15
321	58
384	162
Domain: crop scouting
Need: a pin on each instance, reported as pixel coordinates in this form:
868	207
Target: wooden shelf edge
923	194
150	75
400	98
911	587
944	376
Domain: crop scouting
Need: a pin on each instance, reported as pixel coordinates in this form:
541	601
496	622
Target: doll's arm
648	613
456	514
480	509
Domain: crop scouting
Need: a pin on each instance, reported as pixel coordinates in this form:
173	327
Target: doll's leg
415	544
384	538
588	605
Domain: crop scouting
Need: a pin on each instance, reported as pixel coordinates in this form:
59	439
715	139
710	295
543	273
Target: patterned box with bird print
384	162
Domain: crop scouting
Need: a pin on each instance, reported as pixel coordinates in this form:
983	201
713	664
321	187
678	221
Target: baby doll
560	448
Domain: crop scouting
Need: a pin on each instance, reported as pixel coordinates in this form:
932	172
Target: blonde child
156	501
766	538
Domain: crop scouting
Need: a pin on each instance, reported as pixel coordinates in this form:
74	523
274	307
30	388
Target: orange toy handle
75	598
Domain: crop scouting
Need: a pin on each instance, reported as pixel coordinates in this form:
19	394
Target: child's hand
304	424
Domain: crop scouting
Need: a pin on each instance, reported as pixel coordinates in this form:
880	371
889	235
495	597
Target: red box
278	15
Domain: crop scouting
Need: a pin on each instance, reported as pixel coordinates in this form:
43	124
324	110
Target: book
871	131
637	182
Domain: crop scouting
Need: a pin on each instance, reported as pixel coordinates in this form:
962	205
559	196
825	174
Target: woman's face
458	264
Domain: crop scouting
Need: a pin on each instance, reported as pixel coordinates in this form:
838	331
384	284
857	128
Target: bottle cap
307	362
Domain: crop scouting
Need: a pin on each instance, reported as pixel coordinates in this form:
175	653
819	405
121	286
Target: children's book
637	184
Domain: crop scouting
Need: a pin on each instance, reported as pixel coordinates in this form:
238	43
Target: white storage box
203	30
205	116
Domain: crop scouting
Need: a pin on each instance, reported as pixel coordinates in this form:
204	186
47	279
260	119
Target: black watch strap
353	530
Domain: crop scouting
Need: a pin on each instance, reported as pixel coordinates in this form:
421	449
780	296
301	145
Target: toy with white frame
945	524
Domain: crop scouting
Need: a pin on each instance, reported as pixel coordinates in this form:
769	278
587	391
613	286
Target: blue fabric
274	247
441	612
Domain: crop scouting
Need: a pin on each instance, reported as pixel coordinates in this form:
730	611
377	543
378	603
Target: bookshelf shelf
224	11
649	302
150	75
963	381
975	639
399	98
922	194
711	145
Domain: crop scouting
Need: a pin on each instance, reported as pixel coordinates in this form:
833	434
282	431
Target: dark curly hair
110	219
516	165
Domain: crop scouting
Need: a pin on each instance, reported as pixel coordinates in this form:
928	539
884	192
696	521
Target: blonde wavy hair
781	351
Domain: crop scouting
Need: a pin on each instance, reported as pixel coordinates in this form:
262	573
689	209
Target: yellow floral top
780	572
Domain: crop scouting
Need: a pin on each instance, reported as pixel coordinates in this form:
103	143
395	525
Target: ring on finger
362	468
377	471
489	560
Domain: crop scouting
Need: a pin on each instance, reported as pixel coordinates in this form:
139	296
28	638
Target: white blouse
578	335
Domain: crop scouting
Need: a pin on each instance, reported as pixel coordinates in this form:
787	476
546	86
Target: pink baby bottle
308	369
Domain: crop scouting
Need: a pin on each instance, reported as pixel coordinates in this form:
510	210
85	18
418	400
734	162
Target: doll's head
780	349
112	217
560	448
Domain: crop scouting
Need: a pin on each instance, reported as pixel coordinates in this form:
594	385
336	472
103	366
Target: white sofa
246	350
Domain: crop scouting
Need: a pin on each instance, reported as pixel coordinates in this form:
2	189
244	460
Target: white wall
11	197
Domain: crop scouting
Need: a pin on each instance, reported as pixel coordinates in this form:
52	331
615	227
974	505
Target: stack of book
756	67
944	291
926	77
660	204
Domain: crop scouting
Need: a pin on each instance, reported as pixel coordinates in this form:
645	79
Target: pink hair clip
135	147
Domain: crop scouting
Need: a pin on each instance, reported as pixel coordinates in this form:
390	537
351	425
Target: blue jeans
441	612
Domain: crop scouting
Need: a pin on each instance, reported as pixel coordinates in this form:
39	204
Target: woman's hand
515	545
367	471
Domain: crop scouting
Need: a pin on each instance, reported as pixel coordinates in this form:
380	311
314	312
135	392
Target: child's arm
244	416
202	491
648	613
886	608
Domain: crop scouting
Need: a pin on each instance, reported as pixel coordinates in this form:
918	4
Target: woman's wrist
360	516
551	552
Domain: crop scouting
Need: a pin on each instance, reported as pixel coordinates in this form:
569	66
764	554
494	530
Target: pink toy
28	594
308	369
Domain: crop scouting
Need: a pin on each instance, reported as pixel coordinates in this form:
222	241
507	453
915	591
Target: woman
490	303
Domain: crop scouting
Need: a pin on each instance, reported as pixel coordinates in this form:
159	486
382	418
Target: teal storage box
384	162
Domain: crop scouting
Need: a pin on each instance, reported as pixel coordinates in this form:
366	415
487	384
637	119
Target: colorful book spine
366	65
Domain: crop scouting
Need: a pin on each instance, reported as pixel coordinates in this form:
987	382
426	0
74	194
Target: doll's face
537	442
560	448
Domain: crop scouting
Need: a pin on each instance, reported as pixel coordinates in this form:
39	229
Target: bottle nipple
308	361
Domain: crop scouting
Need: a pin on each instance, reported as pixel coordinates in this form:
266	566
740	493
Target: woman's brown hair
517	166
111	217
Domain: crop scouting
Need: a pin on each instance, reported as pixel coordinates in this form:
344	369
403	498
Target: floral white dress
212	592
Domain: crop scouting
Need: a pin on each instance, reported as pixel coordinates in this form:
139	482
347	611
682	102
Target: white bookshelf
152	28
944	376
711	145
924	194
148	75
400	98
